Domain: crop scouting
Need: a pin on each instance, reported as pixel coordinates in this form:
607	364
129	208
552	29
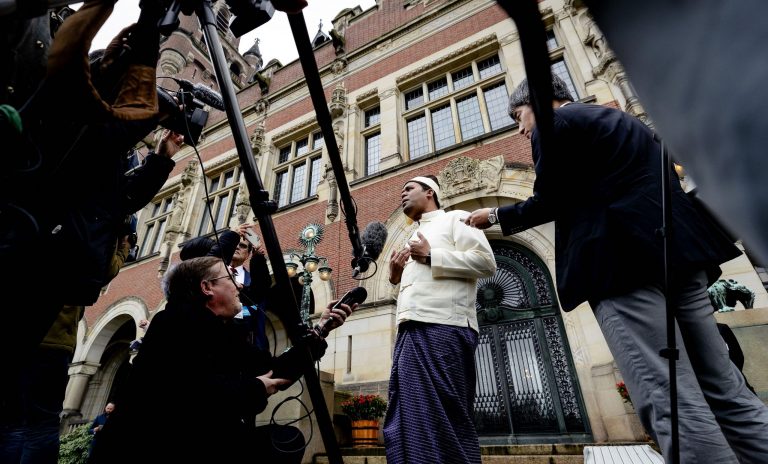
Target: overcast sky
276	40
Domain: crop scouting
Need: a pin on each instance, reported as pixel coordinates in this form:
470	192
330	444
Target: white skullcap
428	182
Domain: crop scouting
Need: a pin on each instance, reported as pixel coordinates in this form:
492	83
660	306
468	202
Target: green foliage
364	407
74	446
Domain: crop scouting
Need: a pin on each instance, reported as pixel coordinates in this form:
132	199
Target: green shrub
74	446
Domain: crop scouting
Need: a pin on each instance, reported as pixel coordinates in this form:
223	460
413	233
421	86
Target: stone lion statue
725	293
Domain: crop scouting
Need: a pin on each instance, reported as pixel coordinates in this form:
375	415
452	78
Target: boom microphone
373	239
205	94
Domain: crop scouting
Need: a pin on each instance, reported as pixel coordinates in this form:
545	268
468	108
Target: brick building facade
414	87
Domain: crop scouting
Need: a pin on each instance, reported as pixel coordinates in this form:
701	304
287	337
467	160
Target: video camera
188	120
129	228
248	14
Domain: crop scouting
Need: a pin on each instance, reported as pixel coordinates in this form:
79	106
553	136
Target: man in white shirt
432	386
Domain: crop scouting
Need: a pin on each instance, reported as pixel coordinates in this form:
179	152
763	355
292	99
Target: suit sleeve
540	208
471	257
226	246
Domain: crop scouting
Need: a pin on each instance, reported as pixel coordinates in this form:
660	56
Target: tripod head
247	14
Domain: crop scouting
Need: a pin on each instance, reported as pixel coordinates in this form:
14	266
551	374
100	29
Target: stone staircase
499	454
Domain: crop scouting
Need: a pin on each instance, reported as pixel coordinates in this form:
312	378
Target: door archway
526	389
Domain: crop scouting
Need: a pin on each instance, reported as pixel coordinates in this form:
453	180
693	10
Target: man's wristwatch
492	217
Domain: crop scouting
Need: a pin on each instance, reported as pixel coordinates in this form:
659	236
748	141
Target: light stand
262	209
309	237
670	352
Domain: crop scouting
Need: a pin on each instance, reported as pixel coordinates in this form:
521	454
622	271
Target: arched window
222	20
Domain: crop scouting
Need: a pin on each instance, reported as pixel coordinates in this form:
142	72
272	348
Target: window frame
205	225
558	54
159	211
315	144
369	131
431	104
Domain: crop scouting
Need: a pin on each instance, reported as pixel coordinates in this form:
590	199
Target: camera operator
30	418
82	120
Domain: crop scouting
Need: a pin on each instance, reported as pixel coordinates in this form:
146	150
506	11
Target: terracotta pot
365	433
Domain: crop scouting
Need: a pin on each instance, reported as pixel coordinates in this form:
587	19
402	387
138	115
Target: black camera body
189	120
128	227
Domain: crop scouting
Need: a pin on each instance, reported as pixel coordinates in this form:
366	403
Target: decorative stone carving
281	135
261	106
261	78
463	175
593	36
571	6
171	62
387	93
332	210
339	65
257	139
384	45
338	101
432	64
614	73
242	204
339	134
367	94
509	38
338	33
610	69
181	199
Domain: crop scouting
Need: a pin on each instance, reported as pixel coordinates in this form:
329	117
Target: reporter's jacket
601	184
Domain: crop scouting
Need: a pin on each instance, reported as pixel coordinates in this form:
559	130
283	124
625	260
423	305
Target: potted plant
623	392
364	411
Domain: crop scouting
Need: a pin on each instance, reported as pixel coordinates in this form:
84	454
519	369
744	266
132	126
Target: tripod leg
290	317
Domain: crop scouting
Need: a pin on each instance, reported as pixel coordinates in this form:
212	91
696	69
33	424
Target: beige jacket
445	291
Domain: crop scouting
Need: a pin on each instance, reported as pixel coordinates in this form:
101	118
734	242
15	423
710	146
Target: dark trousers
30	413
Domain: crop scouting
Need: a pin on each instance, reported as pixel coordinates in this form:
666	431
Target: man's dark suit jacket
601	184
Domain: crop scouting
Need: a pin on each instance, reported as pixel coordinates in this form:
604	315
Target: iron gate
526	386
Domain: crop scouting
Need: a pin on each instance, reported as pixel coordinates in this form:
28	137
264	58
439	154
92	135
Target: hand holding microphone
337	312
289	364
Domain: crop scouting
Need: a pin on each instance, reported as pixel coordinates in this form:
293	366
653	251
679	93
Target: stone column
80	374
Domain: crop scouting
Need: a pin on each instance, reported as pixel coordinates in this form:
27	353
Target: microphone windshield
374	237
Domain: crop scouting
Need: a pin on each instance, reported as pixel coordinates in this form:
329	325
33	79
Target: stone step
563	453
515	459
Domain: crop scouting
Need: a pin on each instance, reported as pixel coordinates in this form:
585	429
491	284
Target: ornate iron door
526	388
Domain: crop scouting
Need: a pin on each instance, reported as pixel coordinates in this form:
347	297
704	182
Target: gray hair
183	280
522	96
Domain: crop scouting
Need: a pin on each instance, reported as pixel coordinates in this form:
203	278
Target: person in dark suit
600	182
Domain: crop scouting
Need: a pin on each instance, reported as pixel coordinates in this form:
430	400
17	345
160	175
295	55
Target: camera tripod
262	206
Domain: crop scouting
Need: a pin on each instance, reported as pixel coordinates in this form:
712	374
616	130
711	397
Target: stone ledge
744	317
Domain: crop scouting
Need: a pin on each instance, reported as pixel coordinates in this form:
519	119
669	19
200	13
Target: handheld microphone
356	295
203	93
373	238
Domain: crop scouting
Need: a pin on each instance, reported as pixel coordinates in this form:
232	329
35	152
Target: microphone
373	239
356	295
203	93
